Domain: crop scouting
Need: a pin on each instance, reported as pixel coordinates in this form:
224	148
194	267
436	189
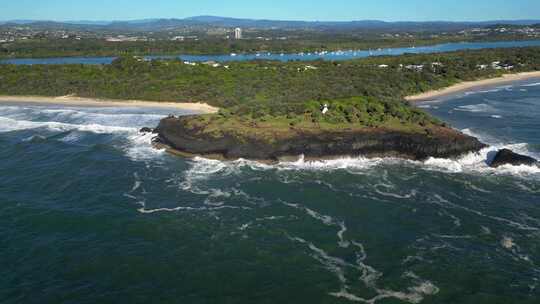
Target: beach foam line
532	84
463	87
121	117
9	124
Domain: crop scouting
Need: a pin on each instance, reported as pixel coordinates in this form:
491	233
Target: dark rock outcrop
508	157
146	130
437	142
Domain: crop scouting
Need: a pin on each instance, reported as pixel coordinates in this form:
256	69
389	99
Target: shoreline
471	85
202	108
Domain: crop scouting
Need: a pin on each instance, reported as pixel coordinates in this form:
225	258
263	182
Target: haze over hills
162	24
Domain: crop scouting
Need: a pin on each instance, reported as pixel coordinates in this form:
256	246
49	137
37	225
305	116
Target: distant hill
87	22
52	25
18	21
216	21
510	26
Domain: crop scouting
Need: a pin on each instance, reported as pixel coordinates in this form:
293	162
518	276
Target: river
336	55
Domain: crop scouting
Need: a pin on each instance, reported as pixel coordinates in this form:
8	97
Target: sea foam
532	84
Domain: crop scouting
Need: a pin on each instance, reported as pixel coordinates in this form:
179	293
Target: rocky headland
180	136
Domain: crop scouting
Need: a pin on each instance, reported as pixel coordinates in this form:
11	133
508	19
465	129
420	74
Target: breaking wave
8	125
482	107
494	90
72	125
532	84
472	163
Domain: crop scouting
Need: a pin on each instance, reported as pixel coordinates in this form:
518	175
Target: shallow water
91	213
335	55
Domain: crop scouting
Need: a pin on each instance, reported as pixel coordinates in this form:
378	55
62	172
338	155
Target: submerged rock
508	157
440	142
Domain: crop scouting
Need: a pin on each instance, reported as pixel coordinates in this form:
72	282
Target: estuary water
334	56
91	213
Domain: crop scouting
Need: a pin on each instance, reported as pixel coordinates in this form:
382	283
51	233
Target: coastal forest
363	92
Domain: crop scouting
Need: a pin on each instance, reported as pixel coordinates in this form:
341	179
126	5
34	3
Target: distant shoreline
202	108
471	85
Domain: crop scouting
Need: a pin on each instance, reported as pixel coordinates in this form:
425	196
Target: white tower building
237	33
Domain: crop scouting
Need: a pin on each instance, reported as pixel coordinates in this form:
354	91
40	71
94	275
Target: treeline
43	48
269	88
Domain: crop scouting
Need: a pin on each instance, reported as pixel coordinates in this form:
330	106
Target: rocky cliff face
437	142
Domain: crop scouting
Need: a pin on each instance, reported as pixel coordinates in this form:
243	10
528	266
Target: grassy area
272	128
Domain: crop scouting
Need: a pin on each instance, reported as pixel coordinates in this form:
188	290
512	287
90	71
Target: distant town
12	32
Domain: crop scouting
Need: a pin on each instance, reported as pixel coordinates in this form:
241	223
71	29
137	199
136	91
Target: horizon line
263	19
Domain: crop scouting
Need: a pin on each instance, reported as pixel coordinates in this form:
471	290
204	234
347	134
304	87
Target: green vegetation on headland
269	100
366	90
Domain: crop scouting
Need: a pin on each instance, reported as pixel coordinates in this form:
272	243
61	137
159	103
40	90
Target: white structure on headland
325	109
237	33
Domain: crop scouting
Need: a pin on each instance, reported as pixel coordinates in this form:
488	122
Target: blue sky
389	10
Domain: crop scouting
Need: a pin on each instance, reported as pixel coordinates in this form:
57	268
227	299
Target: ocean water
334	55
91	213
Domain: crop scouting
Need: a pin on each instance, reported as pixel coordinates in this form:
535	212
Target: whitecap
8	125
203	168
357	163
531	84
485	230
495	90
270	218
137	183
246	226
477	163
482	107
446	236
522	170
176	209
72	137
35	138
140	147
393	194
443	164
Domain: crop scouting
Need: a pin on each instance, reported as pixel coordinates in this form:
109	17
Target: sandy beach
93	102
471	85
